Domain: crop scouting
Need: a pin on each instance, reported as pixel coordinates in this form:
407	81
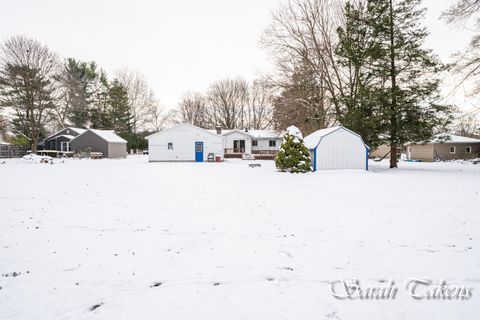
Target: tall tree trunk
34	145
393	103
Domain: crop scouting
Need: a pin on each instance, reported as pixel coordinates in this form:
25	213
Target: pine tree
27	85
100	113
397	101
293	156
80	80
120	116
362	99
29	95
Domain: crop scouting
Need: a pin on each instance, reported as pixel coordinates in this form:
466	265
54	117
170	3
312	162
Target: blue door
198	151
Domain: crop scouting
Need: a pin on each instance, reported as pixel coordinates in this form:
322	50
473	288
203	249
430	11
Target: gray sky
180	45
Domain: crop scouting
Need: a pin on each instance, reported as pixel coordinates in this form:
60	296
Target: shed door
198	151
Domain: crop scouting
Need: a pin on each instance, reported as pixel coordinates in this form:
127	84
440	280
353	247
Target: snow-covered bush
33	158
293	156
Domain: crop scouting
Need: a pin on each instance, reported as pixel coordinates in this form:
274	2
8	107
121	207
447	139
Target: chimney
219	129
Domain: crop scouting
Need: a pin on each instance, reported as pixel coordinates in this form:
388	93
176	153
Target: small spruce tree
293	156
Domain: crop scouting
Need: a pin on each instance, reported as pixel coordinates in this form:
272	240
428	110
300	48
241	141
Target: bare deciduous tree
160	118
27	83
142	101
259	114
193	109
468	61
227	100
302	38
467	126
462	11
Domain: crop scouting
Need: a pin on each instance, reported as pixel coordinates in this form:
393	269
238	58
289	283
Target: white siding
341	149
235	135
183	138
264	144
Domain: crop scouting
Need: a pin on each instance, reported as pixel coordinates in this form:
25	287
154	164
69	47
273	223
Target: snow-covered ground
128	239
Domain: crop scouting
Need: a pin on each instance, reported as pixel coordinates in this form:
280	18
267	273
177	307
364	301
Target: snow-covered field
128	239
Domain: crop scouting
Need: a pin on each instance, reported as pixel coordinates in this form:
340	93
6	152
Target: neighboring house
259	143
104	141
445	147
383	152
185	142
337	148
61	140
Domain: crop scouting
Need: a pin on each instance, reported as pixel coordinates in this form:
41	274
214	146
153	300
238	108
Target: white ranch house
257	143
337	148
185	142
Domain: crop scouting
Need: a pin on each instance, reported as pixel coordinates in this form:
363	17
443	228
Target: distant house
337	148
445	147
383	152
61	140
185	142
259	143
104	141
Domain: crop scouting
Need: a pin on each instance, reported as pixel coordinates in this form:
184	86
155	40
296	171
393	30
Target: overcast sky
179	45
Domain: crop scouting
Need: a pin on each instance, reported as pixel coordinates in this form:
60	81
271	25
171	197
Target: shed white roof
108	135
312	140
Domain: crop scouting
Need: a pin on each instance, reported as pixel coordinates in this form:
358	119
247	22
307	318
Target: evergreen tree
398	90
363	98
30	96
120	115
100	113
80	82
293	156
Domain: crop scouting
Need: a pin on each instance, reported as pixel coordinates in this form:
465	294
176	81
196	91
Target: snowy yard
128	239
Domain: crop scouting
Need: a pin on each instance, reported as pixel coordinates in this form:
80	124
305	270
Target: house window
272	143
468	150
170	146
65	146
254	143
453	150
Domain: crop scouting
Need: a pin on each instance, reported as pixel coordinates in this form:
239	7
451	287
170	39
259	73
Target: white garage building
337	148
185	142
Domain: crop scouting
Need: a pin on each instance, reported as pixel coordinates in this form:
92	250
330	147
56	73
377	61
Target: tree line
359	63
42	93
229	103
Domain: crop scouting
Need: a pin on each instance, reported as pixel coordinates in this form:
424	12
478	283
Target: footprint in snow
96	306
332	315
